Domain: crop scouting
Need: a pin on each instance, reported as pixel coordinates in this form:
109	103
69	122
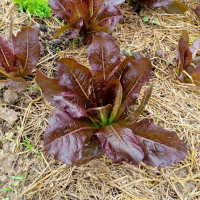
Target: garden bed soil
33	175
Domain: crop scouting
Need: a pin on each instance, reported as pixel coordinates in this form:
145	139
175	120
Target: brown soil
27	175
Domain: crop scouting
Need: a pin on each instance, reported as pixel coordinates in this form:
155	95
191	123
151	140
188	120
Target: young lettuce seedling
18	56
87	16
188	66
92	115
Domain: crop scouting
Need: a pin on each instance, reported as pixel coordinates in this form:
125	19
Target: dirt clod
9	135
10	96
2	85
9	115
159	53
3	178
34	90
2	155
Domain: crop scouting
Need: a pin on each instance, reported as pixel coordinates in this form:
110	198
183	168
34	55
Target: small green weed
58	49
8	139
158	118
73	41
145	19
127	51
19	178
155	21
37	88
5	190
29	147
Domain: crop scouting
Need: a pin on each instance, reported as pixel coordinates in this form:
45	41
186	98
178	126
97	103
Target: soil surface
28	173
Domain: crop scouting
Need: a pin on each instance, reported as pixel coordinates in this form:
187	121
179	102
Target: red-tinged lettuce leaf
197	11
195	47
63	28
101	113
196	61
60	7
180	54
7	58
135	75
184	55
17	84
184	58
71	103
93	101
73	97
65	137
182	77
91	151
97	15
161	147
113	3
155	3
100	89
104	55
76	31
120	144
176	7
195	74
11	38
116	96
185	36
94	7
92	30
139	110
94	27
27	48
108	16
122	66
74	76
80	10
49	86
75	1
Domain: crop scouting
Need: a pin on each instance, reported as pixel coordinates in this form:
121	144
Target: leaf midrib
27	52
118	135
132	88
152	141
4	57
78	83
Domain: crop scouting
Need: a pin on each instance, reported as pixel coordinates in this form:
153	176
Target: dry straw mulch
173	105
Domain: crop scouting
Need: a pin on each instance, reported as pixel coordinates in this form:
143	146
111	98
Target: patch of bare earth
33	175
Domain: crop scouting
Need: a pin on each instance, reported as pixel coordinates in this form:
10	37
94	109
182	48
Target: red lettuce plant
197	11
18	56
170	6
93	111
188	65
86	16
